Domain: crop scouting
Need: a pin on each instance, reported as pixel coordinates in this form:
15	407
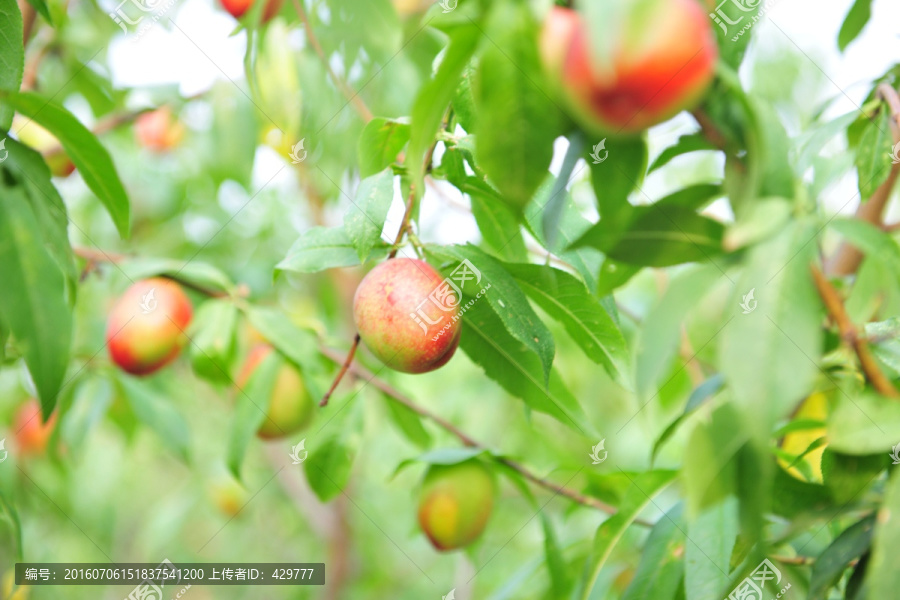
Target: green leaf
364	221
251	410
556	205
213	339
660	334
517	369
566	299
9	514
449	456
90	157
834	560
769	356
47	205
853	24
703	392
12	55
33	304
153	408
617	176
571	226
883	576
657	236
662	568
408	422
299	345
499	227
873	157
379	144
641	492
195	273
864	424
691	142
433	98
318	249
505	298
712	536
872	241
847	476
41	7
517	121
328	467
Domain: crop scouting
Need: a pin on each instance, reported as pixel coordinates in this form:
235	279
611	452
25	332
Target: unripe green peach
407	315
661	63
146	327
455	503
291	408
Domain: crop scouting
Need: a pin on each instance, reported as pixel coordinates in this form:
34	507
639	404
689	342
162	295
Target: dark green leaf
834	560
153	408
380	143
517	121
90	157
33	303
617	176
769	356
566	299
251	410
408	422
318	249
195	273
517	369
865	424
691	142
662	568
328	466
707	558
660	333
213	334
434	97
499	227
883	575
12	56
657	236
701	394
47	205
853	24
873	157
364	221
505	298
643	488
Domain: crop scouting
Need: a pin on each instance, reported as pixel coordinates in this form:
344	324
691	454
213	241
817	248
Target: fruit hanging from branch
658	60
32	434
290	407
455	503
159	130
146	327
407	315
238	8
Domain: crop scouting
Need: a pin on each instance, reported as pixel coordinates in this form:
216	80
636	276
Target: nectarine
407	315
145	329
290	408
455	503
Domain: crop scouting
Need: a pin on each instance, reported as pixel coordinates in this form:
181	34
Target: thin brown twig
29	16
851	336
397	396
348	92
342	372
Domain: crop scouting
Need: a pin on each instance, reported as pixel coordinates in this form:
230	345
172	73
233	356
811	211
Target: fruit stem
342	372
851	336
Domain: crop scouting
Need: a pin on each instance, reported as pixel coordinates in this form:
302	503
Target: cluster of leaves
483	120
